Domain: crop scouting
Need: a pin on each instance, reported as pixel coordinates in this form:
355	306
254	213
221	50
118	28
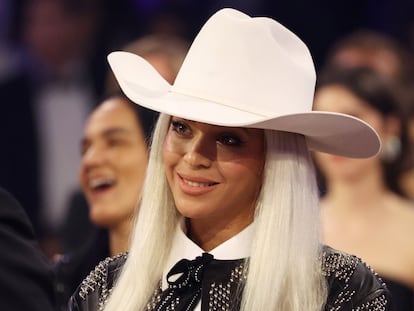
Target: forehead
112	112
338	98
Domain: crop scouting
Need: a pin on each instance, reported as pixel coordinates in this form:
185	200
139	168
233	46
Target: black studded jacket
353	286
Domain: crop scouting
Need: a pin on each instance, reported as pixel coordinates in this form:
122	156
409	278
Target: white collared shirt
237	247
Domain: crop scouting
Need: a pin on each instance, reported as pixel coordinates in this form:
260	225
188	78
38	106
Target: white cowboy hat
246	72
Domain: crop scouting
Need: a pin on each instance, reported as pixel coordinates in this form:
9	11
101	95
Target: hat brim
328	132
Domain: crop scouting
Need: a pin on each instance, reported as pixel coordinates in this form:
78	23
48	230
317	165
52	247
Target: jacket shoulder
94	290
352	284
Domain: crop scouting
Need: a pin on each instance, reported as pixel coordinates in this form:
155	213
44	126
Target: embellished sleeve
353	285
92	294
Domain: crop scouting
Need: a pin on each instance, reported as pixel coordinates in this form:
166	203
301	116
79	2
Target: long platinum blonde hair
284	269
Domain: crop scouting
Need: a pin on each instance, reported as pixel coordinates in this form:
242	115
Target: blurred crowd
54	74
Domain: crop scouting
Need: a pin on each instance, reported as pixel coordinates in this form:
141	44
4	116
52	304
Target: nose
92	157
200	153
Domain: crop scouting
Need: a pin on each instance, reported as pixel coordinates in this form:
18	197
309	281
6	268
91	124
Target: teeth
197	184
98	182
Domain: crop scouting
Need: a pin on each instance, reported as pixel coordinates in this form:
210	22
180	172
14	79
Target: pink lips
195	186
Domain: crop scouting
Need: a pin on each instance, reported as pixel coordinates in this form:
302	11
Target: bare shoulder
402	213
403	204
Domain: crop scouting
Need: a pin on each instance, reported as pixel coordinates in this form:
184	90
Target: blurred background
53	70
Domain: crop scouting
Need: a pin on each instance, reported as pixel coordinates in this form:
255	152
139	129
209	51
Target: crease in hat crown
246	71
248	51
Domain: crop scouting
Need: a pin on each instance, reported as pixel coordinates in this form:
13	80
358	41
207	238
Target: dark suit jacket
26	275
19	172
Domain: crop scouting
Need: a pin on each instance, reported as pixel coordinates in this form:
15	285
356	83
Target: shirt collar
236	247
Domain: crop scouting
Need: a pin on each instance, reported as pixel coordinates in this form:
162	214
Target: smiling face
114	160
214	172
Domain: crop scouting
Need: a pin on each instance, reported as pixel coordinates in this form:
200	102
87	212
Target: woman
391	60
229	211
114	159
363	211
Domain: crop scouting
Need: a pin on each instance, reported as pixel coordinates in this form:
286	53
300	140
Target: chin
193	213
101	219
102	222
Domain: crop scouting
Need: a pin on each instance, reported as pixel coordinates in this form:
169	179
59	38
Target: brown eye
112	142
180	127
230	140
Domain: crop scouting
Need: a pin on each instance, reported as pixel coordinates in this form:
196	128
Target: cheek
172	145
249	171
170	158
171	150
166	153
134	165
245	172
244	184
82	177
376	121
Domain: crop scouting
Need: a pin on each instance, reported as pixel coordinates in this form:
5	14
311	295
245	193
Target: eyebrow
115	130
107	133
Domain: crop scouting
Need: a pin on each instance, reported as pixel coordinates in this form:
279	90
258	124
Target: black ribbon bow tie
189	273
217	283
184	284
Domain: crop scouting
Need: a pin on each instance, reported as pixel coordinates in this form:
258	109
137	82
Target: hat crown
270	69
